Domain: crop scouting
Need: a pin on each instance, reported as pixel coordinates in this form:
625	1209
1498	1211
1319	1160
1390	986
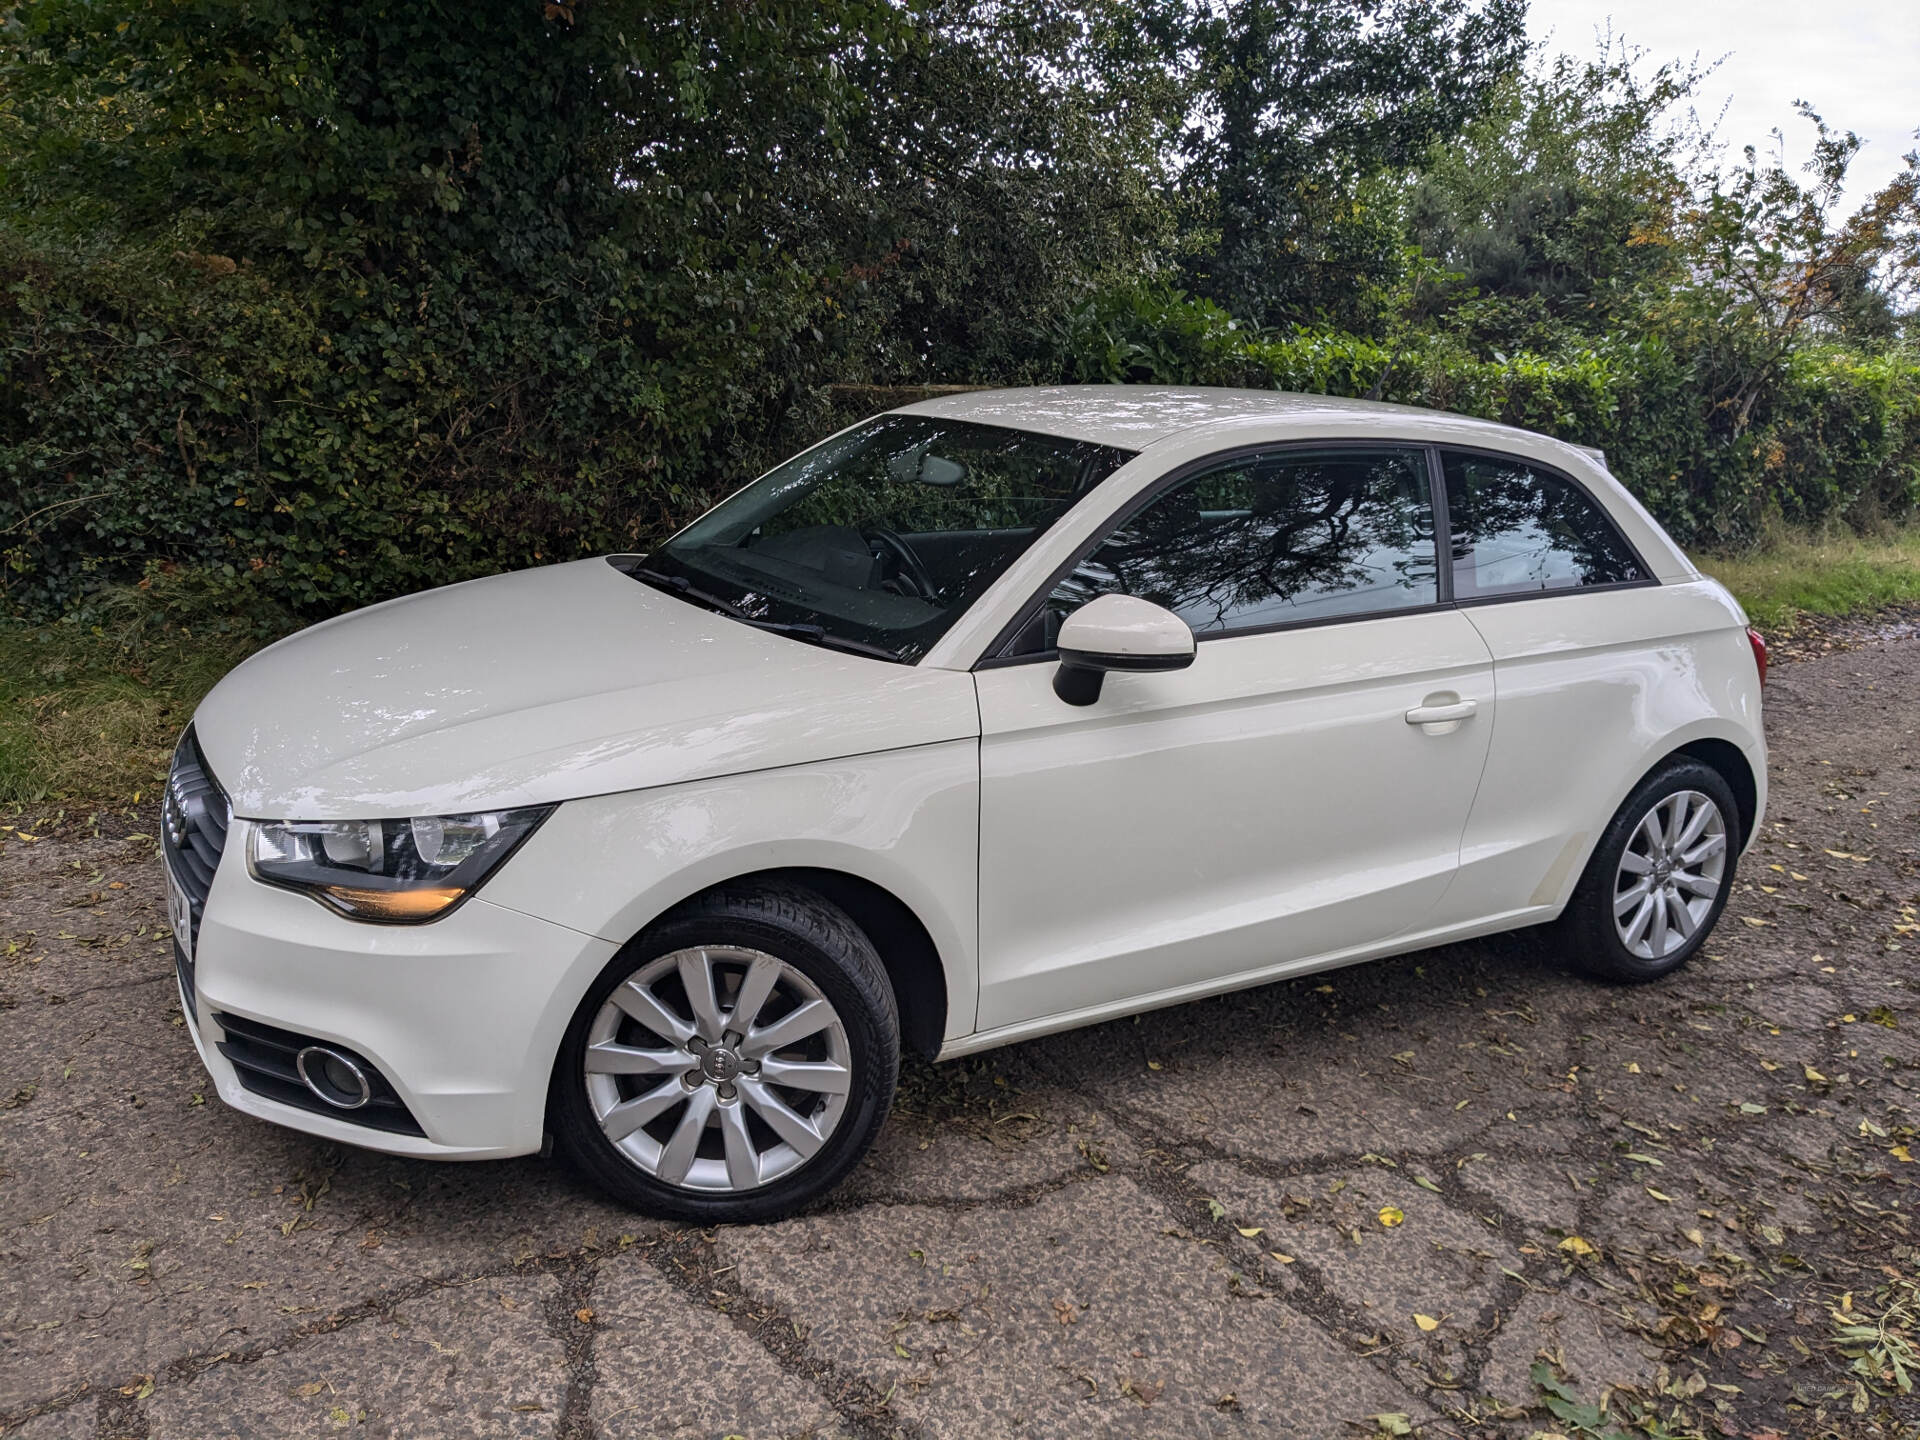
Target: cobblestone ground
1462	1193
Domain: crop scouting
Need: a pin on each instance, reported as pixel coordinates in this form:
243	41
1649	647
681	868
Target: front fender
904	820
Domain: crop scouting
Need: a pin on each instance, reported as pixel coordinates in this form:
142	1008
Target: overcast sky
1856	61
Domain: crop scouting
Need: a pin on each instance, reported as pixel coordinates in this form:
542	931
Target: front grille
194	817
263	1059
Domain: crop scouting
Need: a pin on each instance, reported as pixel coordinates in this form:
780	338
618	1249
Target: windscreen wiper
800	630
820	635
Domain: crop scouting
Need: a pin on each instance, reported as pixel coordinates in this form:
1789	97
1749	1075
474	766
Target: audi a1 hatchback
991	716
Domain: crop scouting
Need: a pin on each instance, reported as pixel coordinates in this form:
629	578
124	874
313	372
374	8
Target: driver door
1279	802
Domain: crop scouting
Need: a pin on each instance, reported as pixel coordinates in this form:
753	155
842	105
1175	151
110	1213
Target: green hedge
183	414
175	411
1835	436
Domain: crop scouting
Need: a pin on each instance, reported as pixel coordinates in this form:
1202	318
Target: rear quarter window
1520	530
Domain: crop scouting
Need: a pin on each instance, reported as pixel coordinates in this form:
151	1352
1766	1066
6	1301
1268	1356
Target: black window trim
993	658
1648	578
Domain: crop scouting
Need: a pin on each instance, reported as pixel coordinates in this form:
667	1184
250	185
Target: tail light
1759	652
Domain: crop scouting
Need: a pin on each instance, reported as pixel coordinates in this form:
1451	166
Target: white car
993	715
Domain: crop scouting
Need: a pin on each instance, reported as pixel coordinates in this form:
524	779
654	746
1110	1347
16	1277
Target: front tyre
1659	878
734	1062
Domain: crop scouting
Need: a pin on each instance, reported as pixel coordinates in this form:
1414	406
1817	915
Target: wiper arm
800	630
680	585
820	635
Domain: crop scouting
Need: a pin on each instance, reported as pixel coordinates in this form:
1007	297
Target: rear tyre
733	1063
1658	879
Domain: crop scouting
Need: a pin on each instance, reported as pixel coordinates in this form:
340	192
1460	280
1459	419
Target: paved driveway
1446	1190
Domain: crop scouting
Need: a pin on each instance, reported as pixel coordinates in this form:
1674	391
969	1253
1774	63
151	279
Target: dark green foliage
306	304
1298	102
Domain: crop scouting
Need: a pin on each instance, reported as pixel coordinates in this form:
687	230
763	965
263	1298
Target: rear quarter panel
1594	689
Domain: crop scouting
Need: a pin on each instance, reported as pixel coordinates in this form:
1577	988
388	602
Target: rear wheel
1659	877
732	1064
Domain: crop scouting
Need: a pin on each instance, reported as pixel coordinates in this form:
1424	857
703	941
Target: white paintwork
1292	801
1270	802
545	685
1127	627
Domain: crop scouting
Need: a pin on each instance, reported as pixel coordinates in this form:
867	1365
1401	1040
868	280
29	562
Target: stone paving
1461	1193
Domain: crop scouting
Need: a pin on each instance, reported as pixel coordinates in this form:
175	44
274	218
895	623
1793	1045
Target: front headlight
391	871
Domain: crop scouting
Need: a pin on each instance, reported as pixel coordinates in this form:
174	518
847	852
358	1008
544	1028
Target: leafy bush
1837	437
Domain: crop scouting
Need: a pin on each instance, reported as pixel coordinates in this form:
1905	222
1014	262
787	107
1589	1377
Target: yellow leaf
1283	1259
1391	1215
1426	1322
1633	1067
1576	1245
1902	1154
1755	920
1248	1230
1663	1199
1814	1075
1153	1064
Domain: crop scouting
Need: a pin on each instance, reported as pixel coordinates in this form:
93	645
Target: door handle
1443	714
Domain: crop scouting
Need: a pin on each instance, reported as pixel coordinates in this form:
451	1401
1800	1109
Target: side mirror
1117	632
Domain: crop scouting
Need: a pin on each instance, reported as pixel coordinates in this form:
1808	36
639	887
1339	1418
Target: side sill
1246	980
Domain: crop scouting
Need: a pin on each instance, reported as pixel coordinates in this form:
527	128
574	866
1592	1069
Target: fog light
333	1077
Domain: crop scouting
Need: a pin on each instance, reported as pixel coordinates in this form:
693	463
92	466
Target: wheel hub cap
718	1068
1670	874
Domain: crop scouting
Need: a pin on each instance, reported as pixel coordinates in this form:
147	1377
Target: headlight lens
391	871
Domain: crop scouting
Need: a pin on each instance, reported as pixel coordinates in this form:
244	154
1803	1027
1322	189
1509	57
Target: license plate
180	915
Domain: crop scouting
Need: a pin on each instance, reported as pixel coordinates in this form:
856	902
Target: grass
1797	573
89	713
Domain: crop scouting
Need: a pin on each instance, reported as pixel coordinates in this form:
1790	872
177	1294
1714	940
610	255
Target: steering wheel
906	563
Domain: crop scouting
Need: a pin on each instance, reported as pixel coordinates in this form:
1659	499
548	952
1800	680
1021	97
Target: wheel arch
902	940
1712	748
1731	764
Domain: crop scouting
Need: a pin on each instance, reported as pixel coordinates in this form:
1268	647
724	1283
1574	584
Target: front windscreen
879	539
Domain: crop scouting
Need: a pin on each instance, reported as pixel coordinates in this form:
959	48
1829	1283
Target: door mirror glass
1117	632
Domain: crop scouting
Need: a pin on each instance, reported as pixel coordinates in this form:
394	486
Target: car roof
1133	417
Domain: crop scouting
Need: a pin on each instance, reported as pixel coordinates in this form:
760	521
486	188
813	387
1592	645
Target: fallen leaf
1394	1422
1283	1259
1248	1230
1902	1154
1391	1215
584	1315
1425	1322
1575	1245
1814	1075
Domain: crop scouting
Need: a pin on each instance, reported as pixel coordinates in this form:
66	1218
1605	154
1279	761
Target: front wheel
1659	877
734	1062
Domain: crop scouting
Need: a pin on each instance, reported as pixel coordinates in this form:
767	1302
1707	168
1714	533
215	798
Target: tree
1295	104
1776	260
1557	209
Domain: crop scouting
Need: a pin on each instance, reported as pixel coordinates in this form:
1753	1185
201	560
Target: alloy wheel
1670	874
718	1068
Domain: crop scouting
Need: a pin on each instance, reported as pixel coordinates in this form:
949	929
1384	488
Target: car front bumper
462	1016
